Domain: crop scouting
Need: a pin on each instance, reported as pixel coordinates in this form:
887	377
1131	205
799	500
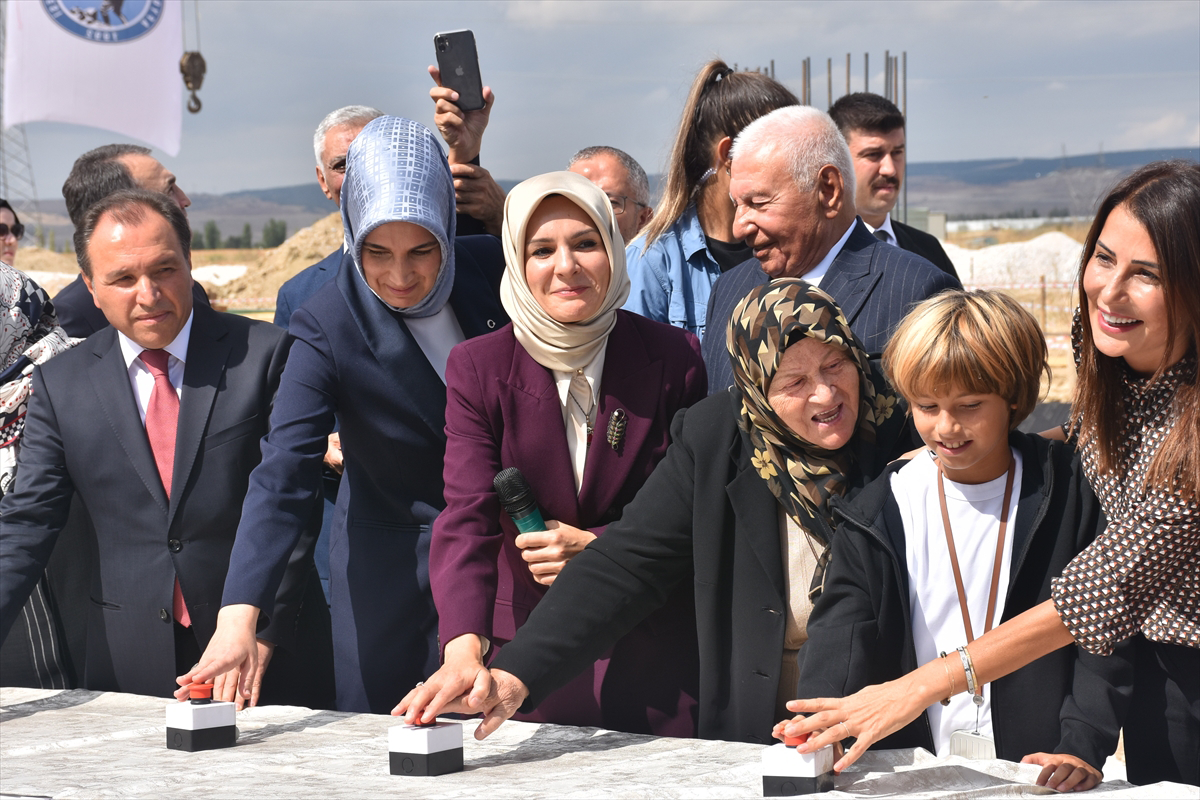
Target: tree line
274	233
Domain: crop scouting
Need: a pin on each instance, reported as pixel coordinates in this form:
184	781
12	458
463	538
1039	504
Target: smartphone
459	64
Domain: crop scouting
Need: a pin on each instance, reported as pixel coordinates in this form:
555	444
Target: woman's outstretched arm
877	711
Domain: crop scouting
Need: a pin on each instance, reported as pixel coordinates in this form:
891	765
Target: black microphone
517	499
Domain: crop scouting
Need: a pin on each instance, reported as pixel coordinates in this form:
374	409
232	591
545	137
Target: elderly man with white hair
331	140
792	183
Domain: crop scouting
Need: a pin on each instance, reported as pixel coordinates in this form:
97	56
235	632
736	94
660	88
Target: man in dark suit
330	142
95	175
794	207
874	130
156	422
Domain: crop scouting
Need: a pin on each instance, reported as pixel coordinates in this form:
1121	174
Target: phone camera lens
442	45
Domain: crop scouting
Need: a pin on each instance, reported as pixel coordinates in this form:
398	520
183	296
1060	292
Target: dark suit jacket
354	360
503	410
925	245
303	285
78	315
704	513
874	283
84	434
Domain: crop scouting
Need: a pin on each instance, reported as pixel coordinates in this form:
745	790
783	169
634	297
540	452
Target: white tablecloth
88	744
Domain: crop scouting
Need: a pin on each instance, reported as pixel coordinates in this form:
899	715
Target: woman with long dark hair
1137	418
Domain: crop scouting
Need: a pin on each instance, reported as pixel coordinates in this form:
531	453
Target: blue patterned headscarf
396	171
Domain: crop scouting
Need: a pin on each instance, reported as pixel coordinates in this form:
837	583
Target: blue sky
986	79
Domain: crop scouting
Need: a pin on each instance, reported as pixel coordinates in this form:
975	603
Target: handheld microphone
517	499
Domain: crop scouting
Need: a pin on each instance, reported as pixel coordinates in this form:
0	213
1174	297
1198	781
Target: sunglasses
17	230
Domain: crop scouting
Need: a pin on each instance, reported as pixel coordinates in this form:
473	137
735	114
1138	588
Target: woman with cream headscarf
737	513
579	397
370	353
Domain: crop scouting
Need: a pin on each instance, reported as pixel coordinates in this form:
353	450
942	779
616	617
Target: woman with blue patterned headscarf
370	354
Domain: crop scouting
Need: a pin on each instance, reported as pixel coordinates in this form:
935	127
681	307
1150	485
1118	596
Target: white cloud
1173	129
568	74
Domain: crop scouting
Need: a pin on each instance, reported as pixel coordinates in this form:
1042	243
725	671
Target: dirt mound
1053	255
259	286
38	259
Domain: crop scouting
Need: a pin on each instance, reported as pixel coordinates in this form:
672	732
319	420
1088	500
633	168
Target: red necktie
162	418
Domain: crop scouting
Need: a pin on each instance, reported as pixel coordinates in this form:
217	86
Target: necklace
977	698
587	414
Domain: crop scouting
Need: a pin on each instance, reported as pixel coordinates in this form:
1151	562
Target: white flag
111	64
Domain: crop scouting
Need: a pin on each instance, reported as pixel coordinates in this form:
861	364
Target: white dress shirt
815	274
140	376
886	227
562	380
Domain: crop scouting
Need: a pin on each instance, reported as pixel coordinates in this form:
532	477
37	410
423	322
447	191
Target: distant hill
1030	186
984	187
992	171
306	197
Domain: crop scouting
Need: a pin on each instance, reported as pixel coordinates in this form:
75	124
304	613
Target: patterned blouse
1142	574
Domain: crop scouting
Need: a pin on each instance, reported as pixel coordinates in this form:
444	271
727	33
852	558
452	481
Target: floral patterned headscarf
800	474
29	335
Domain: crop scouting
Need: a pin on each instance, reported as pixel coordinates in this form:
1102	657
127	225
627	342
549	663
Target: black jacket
926	245
703	515
860	631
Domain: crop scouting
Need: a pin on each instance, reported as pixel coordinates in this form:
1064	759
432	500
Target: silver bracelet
968	668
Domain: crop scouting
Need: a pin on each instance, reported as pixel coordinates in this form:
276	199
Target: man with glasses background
623	180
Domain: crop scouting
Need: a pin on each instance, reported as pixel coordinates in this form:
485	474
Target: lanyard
958	582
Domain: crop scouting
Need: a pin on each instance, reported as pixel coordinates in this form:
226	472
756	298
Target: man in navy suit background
874	130
331	140
792	183
95	175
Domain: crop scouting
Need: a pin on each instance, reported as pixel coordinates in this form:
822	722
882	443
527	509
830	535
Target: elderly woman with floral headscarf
739	506
33	654
370	353
579	396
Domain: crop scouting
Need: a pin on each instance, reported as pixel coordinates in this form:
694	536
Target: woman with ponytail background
689	242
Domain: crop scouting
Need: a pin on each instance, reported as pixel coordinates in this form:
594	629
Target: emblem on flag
106	21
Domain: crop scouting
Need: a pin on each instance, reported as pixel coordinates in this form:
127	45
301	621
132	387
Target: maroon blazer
503	411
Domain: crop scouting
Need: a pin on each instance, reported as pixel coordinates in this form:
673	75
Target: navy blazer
355	361
875	284
504	411
84	433
296	290
79	316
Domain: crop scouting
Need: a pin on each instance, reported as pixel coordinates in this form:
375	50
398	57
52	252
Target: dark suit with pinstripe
876	284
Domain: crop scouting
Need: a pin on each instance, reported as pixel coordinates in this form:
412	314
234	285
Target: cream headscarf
556	345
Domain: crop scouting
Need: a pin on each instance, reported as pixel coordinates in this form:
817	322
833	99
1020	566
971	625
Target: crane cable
192	65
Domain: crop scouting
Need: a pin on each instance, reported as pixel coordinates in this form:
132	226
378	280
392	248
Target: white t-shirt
937	623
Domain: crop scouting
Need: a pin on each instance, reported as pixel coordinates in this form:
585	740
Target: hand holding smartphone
458	62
